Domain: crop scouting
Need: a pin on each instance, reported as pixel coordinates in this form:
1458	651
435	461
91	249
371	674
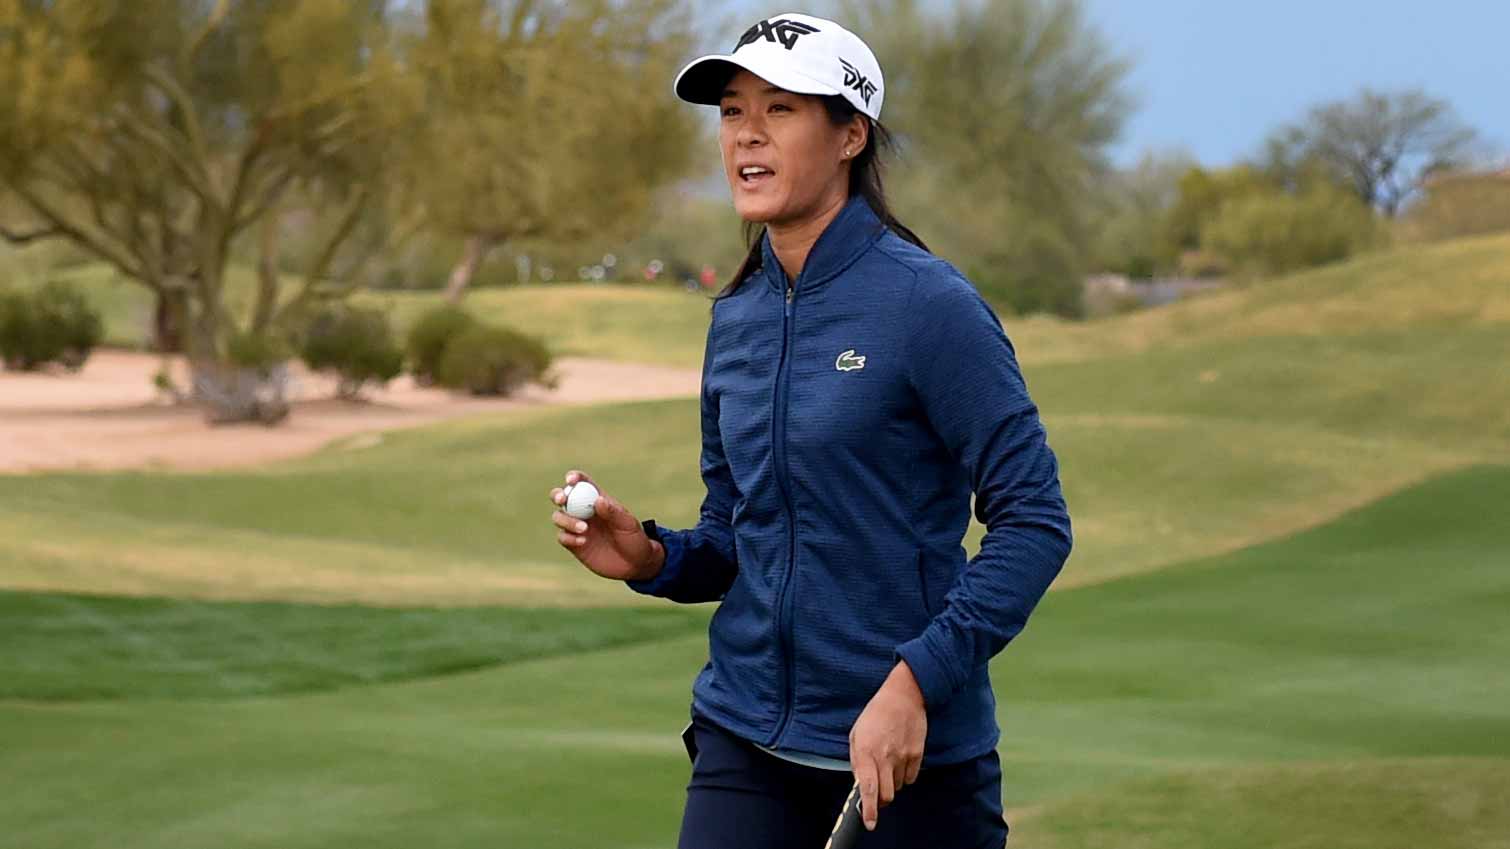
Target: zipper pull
790	293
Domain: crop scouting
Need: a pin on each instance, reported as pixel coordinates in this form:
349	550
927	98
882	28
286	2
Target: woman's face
784	159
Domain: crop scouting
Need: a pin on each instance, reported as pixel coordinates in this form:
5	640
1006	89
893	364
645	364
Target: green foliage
429	337
355	343
1272	232
1007	108
489	360
1200	196
1041	274
258	352
536	125
52	324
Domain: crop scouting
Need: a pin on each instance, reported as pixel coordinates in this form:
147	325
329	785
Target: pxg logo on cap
857	81
781	32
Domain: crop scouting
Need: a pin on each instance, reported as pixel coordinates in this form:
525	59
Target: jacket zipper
783	615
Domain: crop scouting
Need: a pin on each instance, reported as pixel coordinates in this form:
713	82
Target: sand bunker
109	416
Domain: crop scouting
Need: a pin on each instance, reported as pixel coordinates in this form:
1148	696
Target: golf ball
580	497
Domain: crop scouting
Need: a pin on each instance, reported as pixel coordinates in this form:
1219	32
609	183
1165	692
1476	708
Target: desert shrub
356	344
490	360
429	337
1456	205
51	324
1273	232
259	352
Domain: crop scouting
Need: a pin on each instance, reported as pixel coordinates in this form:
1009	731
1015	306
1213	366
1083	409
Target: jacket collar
849	235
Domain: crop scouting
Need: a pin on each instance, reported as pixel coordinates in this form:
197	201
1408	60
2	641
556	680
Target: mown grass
56	646
1342	687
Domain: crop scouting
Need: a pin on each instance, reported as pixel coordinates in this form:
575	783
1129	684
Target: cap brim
703	80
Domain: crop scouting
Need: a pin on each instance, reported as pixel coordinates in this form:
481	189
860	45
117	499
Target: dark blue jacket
846	419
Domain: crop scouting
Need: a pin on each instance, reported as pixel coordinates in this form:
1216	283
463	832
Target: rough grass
1465	282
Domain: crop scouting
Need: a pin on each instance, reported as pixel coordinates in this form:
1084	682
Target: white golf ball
580	497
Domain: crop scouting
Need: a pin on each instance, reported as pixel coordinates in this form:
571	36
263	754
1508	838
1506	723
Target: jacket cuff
932	675
658	585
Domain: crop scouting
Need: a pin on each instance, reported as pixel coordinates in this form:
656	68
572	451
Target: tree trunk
476	250
168	322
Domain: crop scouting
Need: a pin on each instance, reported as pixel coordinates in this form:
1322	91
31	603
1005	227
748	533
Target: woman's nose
751	132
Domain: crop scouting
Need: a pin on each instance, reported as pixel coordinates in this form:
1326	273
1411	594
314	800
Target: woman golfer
856	391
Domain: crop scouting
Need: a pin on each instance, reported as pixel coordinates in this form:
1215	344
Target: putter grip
850	826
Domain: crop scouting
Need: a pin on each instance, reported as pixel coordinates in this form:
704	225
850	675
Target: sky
1214	77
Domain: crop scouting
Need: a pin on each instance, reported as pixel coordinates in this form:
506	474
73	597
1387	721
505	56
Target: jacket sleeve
700	561
965	373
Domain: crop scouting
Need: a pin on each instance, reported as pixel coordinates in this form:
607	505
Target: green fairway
1308	692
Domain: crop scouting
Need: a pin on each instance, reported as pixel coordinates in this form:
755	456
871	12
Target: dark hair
864	180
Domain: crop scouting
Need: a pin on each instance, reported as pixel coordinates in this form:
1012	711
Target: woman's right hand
612	543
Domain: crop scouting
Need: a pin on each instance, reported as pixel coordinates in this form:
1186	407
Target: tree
1200	196
154	133
1129	227
1381	145
545	119
1005	110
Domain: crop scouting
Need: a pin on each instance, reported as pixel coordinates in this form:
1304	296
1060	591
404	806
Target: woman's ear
855	136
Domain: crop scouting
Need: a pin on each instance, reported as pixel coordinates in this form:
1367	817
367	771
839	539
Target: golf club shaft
849	826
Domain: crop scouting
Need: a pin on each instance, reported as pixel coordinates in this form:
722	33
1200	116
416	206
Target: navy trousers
743	798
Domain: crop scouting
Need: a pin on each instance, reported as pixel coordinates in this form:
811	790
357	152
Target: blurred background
305	306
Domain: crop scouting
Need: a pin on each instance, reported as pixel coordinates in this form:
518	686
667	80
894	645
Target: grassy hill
1280	626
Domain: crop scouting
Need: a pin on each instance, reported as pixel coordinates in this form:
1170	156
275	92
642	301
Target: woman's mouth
752	176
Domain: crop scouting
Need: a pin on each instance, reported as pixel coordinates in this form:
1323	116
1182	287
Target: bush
430	336
1273	232
488	360
258	352
51	324
1037	273
357	344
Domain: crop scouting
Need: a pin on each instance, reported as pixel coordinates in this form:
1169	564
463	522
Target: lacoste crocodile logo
849	362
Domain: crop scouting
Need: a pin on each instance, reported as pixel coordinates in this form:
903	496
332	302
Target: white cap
799	53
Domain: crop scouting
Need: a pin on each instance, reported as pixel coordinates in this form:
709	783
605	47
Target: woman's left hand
886	742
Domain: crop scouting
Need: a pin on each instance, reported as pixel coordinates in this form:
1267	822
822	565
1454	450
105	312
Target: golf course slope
1282	626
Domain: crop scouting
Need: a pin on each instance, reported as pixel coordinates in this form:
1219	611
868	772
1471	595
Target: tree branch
197	183
321	266
15	238
66	228
196	43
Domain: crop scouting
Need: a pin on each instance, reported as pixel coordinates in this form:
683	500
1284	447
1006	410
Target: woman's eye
781	107
730	111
